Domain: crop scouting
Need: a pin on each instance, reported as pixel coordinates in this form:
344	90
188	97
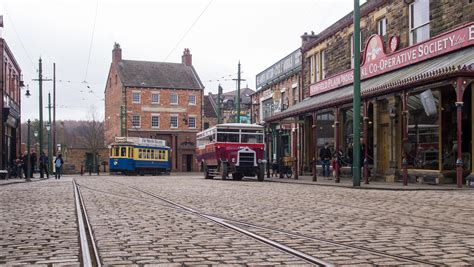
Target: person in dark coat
325	155
44	165
58	163
33	163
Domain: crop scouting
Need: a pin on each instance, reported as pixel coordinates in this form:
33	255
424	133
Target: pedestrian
32	163
274	168
44	165
325	155
58	163
24	164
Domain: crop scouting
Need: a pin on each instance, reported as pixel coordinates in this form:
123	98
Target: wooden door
383	148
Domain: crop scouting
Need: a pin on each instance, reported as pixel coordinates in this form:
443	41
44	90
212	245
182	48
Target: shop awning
459	62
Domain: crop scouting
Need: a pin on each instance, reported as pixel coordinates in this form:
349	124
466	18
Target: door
187	163
383	148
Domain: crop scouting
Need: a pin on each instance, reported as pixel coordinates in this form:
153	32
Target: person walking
24	164
58	163
325	155
44	165
32	163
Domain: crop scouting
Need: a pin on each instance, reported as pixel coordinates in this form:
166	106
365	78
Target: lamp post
28	161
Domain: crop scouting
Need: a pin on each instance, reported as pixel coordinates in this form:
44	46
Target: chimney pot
187	58
116	53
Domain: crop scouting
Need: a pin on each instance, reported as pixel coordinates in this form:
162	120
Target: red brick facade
140	104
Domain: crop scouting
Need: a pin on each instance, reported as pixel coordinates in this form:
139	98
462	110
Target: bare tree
91	135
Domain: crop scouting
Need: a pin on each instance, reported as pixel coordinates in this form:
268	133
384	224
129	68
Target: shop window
423	130
419	21
325	130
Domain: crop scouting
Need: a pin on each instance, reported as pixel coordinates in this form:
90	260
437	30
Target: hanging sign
375	61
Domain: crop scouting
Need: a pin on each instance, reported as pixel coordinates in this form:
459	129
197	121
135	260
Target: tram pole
356	98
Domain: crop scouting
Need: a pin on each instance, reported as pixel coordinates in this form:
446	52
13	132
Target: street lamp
28	161
27	91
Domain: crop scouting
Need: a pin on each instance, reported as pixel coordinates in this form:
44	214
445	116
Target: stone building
10	130
278	88
155	100
416	71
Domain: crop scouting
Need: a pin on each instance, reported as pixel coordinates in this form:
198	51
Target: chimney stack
187	58
116	54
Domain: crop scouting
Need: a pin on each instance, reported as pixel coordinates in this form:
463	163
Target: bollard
90	170
98	170
82	170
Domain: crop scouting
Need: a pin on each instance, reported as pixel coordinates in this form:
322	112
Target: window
155	121
123	151
136	97
419	21
192	122
192	99
174	121
173	99
311	69
136	121
382	28
323	65
295	95
155	98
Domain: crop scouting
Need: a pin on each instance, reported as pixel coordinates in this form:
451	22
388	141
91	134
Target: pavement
335	223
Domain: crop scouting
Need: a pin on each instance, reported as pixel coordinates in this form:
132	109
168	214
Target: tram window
148	154
132	149
140	153
252	138
227	137
116	151
130	152
123	151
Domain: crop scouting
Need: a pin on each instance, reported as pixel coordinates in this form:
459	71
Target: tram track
240	226
89	252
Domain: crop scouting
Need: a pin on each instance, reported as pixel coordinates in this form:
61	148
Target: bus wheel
260	173
206	172
237	176
224	172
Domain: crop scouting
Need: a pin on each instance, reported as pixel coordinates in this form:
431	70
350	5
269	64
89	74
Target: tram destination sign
376	61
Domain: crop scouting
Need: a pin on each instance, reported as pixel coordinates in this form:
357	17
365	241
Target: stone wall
74	158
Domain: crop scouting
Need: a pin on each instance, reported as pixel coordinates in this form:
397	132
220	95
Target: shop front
416	119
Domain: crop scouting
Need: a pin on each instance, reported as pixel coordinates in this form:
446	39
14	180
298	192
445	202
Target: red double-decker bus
231	148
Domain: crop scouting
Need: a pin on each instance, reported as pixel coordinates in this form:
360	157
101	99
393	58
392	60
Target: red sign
376	61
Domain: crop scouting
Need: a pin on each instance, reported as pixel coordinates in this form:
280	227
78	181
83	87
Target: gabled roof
208	108
148	74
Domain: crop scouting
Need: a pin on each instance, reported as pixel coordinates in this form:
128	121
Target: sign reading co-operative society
376	62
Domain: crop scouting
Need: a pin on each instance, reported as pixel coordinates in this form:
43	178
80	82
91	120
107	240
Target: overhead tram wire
18	36
189	29
92	40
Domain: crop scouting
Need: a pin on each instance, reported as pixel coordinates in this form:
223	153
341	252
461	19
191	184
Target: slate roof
208	108
134	73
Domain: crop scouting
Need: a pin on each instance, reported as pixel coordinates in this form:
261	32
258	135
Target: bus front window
252	138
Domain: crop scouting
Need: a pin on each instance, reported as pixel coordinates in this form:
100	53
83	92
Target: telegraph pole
40	81
356	99
238	93
53	126
219	103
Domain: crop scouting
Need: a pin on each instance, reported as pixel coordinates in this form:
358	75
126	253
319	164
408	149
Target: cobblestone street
166	220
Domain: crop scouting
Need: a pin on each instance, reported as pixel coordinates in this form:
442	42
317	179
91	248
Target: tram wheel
260	173
224	171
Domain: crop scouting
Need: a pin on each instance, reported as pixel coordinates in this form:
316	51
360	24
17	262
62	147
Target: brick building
209	115
416	71
10	130
155	100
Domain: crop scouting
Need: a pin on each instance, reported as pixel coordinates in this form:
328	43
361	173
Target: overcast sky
219	33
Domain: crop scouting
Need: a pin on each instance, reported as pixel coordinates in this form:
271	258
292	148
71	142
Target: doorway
187	162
